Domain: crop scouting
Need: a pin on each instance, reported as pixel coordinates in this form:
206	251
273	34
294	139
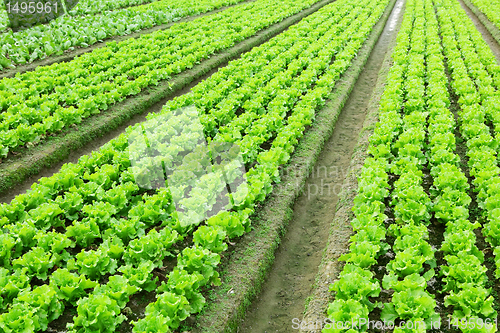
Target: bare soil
292	276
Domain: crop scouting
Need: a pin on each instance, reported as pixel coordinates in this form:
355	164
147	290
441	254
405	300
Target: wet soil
291	278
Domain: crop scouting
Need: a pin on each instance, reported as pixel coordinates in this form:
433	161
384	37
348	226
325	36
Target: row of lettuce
413	133
89	7
71	31
123	232
37	103
490	8
83	7
479	92
4	18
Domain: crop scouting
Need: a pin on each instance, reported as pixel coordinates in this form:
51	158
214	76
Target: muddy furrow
292	276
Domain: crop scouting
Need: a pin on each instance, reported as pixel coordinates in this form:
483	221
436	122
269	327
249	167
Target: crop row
416	130
490	8
98	197
414	261
85	7
37	103
89	7
68	32
4	19
475	80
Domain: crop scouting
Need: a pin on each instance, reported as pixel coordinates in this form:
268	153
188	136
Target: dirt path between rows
487	36
291	279
195	76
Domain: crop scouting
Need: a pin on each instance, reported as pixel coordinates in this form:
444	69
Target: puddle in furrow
394	19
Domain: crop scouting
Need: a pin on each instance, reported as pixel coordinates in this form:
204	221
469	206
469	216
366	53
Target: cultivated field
251	166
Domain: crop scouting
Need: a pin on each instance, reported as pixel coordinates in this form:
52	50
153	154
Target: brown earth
292	276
